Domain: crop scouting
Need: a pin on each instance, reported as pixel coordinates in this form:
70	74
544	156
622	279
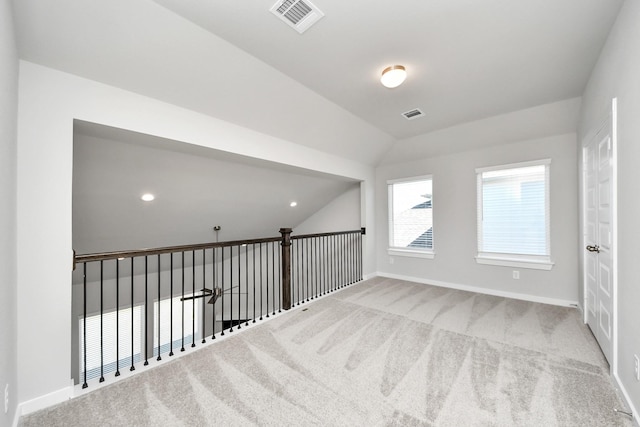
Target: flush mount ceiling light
293	204
147	197
393	76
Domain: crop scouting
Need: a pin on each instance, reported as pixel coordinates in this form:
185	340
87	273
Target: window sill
411	253
535	264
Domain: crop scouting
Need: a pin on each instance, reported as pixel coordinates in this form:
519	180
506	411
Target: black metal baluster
261	281
312	268
360	257
193	300
354	255
316	260
84	322
342	266
354	258
349	258
267	263
171	310
334	260
239	287
101	323
231	287
339	246
273	277
280	281
325	267
308	265
215	286
182	303
254	283
294	271
146	311
337	258
159	304
204	286
117	317
246	284
300	272
222	293
133	367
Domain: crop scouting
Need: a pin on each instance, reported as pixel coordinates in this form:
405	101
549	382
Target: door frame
609	116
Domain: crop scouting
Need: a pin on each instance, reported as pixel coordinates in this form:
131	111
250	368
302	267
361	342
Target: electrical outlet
636	366
6	398
516	274
391	260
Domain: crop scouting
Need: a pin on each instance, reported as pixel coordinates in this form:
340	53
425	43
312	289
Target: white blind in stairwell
108	354
513	209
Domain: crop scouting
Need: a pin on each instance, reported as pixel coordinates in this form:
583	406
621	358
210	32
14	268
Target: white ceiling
466	59
196	188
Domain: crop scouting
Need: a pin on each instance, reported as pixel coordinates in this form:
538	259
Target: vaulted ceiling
466	60
195	189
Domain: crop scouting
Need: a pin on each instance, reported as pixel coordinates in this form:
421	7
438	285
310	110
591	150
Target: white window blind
411	214
513	210
171	324
109	351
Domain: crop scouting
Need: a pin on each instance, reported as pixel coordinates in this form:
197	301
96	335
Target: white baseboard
627	399
479	290
43	402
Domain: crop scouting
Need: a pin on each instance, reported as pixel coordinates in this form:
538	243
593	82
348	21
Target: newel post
286	267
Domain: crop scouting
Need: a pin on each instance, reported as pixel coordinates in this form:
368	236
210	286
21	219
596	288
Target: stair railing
131	307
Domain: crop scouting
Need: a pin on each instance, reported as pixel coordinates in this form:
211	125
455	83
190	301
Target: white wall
8	255
617	75
341	214
49	101
557	118
455	223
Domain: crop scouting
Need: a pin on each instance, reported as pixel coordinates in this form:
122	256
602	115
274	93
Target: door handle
594	248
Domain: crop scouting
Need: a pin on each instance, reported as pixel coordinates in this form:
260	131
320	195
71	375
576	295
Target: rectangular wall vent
298	14
413	114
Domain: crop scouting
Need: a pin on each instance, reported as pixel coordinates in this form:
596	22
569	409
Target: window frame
538	262
426	253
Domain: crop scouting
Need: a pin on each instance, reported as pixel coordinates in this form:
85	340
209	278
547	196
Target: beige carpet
380	353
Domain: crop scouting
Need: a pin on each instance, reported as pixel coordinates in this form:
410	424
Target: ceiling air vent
298	14
413	114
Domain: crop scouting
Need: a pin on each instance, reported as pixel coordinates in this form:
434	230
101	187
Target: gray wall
8	124
617	75
454	231
341	214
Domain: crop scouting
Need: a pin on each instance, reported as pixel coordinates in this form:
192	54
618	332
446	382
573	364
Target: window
513	215
411	217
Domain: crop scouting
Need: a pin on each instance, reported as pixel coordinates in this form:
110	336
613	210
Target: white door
598	237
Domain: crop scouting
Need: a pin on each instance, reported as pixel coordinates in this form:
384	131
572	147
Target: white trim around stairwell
479	290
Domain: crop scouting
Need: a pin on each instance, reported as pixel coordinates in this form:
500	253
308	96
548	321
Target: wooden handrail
331	233
168	249
103	256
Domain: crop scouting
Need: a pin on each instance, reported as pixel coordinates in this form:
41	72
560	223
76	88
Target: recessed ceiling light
147	197
293	204
393	76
